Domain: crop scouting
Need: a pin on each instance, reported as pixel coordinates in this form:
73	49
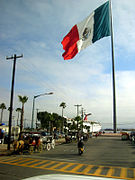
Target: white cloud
124	22
84	80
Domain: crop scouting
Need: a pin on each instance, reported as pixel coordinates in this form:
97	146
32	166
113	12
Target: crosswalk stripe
67	166
123	173
57	165
21	161
110	172
76	168
7	158
87	169
41	162
45	165
134	173
30	162
98	171
14	160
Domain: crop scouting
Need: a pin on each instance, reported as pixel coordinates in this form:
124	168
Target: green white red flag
88	31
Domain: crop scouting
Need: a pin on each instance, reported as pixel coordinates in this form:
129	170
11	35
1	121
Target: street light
50	93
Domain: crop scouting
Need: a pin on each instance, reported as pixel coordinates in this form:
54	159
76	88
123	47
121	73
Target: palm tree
2	107
23	100
63	105
19	110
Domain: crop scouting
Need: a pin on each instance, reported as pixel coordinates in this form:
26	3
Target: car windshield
67	100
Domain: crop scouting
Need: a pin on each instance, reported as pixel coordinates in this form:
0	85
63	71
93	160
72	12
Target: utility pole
37	120
83	111
78	105
82	118
12	95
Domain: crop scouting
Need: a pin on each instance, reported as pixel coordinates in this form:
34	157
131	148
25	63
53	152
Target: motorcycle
80	150
80	146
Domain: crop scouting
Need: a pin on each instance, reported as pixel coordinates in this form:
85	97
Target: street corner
4	151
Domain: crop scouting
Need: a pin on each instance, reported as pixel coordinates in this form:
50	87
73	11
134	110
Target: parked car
132	136
6	139
124	136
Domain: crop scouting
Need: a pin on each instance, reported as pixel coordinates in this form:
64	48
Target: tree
73	126
8	109
63	105
43	117
19	110
79	121
50	120
23	100
2	107
57	120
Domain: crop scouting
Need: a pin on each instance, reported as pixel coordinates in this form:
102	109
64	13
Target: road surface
103	156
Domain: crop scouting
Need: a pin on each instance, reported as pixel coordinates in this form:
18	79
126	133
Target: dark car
132	136
6	139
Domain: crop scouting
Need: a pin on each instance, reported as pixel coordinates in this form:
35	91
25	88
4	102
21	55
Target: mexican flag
88	31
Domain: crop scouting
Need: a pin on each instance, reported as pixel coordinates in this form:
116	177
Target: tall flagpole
113	72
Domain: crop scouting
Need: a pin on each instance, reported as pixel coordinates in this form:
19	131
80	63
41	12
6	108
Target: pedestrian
1	136
96	135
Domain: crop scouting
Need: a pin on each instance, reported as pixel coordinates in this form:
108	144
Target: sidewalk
4	151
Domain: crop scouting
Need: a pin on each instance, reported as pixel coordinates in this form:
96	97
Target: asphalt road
99	152
110	151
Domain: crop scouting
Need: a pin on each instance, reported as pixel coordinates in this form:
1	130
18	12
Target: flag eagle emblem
86	33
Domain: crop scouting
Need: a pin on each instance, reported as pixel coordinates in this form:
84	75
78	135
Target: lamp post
50	93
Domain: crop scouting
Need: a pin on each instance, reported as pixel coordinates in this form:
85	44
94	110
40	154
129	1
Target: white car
67	177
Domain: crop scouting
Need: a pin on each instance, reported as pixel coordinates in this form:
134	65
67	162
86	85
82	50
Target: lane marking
42	162
13	160
98	171
87	169
67	167
30	162
21	161
134	172
57	165
76	168
45	165
123	172
110	172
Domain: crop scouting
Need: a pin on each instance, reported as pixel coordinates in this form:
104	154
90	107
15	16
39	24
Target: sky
35	29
